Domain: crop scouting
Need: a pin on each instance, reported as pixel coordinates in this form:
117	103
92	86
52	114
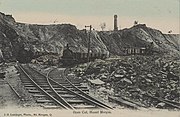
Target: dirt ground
8	98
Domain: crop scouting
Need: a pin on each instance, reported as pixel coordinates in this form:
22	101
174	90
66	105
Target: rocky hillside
141	36
7	37
19	40
55	37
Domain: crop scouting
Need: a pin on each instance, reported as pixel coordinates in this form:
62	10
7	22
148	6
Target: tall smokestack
115	23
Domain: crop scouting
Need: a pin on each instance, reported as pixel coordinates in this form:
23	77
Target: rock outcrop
18	40
141	36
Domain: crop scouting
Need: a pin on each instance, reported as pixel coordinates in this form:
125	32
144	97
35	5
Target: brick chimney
115	23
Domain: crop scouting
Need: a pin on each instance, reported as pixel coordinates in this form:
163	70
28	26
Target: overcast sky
159	14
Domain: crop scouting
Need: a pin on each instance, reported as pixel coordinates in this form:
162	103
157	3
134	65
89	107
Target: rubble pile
135	77
46	60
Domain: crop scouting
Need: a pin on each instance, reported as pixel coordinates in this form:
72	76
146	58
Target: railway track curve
62	94
80	91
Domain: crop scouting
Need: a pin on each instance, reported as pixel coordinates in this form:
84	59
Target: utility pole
89	42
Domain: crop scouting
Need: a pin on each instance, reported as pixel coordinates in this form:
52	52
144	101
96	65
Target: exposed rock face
7	36
19	40
55	37
140	36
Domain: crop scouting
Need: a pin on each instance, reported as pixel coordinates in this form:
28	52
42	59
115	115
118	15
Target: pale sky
158	14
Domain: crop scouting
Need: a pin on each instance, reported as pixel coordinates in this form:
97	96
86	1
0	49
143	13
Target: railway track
61	94
169	103
57	91
136	105
124	101
37	85
14	90
81	92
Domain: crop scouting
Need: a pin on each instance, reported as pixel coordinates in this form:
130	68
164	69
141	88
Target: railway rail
51	93
57	91
135	105
37	85
81	92
123	101
167	102
14	90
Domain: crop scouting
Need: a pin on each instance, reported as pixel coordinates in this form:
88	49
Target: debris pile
46	60
136	77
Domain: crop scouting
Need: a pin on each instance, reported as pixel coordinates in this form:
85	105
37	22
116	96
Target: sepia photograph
89	58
